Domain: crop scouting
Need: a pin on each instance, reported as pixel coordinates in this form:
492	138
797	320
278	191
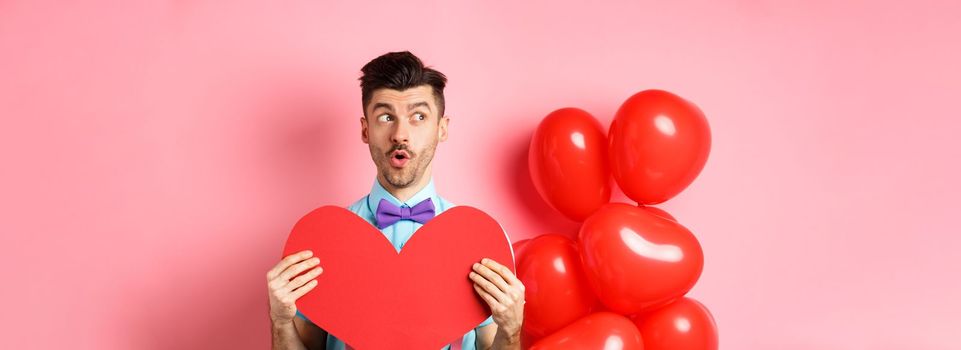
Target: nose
400	134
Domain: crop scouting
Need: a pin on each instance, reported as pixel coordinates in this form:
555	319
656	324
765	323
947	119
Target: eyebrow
418	104
391	108
382	105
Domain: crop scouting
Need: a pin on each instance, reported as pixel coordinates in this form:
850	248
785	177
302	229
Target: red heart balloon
684	324
557	293
567	160
371	297
659	143
601	330
658	211
636	260
518	247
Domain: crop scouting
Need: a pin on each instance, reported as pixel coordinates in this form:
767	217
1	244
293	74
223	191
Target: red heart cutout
371	297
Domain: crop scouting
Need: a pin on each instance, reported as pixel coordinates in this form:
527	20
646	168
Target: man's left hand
503	292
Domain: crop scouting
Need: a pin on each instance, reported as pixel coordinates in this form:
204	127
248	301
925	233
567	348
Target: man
403	121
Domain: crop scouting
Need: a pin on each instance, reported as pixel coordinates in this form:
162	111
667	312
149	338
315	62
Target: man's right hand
283	291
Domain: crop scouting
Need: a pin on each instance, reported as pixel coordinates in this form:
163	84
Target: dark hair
400	71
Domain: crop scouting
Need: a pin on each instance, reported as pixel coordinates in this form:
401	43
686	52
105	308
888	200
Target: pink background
156	154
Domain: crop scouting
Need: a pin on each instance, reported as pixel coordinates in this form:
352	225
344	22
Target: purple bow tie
388	213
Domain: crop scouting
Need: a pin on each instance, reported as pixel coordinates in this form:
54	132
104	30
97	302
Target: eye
385	117
420	116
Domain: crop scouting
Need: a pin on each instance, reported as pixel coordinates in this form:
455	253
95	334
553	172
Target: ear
363	130
442	128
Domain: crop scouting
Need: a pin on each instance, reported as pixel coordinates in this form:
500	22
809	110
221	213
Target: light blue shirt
398	234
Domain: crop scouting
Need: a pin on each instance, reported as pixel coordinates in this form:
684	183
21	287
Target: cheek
374	143
422	143
426	136
377	137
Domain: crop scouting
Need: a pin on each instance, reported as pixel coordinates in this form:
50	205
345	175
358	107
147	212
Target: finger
300	280
492	276
299	292
287	261
491	301
488	286
501	270
297	268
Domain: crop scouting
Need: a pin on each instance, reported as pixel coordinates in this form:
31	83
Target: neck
404	193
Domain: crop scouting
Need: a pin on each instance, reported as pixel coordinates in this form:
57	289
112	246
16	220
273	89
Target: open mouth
399	158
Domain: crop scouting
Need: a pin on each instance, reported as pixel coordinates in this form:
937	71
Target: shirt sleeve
489	320
302	316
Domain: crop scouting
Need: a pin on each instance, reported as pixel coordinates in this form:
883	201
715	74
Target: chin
397	178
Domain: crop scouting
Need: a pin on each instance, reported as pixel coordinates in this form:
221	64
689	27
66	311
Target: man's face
402	129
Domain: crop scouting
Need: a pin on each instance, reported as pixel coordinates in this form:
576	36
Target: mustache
400	147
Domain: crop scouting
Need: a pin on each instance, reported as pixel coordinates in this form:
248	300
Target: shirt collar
378	192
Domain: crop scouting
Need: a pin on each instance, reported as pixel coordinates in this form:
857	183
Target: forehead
400	99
